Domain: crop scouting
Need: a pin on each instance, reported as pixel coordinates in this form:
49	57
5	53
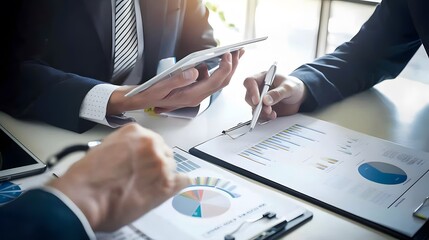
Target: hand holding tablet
191	61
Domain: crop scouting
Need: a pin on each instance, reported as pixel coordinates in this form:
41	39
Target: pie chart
8	192
201	203
383	173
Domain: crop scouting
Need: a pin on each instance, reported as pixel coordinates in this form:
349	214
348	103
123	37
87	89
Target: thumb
276	95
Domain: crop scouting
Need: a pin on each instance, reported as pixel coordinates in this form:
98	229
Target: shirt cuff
94	107
72	206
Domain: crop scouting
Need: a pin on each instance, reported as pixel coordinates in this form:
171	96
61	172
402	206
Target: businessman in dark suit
66	60
380	50
116	182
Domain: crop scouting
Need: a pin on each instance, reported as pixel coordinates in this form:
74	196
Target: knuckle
146	146
247	81
131	127
287	87
226	83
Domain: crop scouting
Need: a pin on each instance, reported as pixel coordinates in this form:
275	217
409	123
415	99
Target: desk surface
395	110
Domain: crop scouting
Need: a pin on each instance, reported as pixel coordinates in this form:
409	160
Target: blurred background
298	30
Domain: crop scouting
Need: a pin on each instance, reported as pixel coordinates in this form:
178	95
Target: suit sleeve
38	214
50	95
34	87
379	51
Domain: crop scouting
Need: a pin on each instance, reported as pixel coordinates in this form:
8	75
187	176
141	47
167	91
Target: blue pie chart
383	173
8	192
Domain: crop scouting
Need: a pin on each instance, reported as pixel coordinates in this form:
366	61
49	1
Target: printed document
376	180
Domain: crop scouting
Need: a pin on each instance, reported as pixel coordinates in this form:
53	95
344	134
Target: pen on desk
269	77
54	159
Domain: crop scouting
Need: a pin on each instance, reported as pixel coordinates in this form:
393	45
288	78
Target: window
299	31
291	27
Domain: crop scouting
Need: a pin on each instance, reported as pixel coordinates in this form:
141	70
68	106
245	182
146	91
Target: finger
186	78
235	58
181	181
193	94
272	115
259	78
219	76
235	61
168	152
267	110
203	72
241	52
205	87
267	114
165	154
159	110
225	65
268	100
252	91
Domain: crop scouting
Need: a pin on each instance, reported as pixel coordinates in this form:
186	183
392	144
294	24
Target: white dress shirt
94	105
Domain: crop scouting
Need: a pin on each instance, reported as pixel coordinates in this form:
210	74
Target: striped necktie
126	44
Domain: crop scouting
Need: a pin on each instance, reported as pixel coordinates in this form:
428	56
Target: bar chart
290	140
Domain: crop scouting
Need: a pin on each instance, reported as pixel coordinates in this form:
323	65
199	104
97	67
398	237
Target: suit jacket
380	50
39	215
64	48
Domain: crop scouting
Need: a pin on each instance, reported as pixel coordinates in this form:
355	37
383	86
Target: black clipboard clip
417	212
266	234
272	232
238	130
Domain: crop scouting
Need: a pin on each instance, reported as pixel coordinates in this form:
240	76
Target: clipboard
332	167
217	205
191	61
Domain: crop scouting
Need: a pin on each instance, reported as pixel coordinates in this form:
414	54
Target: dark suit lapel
419	10
170	29
153	13
100	11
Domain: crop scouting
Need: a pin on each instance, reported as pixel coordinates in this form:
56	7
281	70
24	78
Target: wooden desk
396	110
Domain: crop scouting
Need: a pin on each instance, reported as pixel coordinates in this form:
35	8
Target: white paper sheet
214	205
369	177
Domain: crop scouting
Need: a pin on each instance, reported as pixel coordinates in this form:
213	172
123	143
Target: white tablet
191	61
16	160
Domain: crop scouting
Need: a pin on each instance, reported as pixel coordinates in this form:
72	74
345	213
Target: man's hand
187	89
128	174
284	98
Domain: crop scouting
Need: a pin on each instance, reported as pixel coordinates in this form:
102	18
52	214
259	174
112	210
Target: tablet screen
15	161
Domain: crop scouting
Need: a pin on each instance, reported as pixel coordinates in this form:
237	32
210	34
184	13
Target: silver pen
269	77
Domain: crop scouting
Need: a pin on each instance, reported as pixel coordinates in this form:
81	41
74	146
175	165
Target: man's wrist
118	103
